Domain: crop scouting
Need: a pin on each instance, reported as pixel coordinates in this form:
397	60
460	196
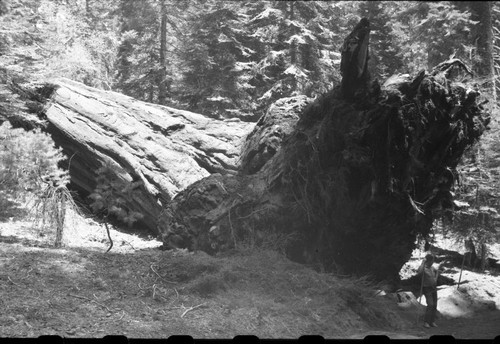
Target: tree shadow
11	209
12	239
9	239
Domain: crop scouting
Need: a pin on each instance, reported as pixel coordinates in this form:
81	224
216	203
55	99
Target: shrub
50	208
28	163
109	196
29	168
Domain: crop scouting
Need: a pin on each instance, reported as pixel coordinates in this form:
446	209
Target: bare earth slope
139	291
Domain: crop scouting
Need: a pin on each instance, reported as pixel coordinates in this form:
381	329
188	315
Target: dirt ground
139	291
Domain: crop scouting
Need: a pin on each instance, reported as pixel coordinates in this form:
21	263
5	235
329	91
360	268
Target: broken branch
157	274
14	283
191	308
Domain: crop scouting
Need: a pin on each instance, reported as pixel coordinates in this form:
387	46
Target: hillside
139	291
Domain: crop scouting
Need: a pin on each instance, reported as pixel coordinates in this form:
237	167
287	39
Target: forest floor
139	291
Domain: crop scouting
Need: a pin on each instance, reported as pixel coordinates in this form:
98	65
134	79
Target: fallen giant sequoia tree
161	148
364	170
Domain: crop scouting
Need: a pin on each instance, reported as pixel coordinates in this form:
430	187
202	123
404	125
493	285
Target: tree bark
163	148
162	79
293	43
484	42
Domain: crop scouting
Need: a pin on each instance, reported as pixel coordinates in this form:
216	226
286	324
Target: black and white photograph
249	169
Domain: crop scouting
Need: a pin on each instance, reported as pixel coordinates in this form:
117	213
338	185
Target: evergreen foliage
477	195
28	161
108	198
29	168
298	50
50	209
110	193
214	61
47	39
137	56
429	32
145	65
225	59
385	54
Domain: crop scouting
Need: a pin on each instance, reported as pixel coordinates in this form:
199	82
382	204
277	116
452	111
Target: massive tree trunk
163	148
360	173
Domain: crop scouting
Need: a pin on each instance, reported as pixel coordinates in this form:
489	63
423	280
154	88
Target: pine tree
215	61
147	55
384	54
28	160
109	195
484	65
137	59
298	50
428	33
29	169
496	46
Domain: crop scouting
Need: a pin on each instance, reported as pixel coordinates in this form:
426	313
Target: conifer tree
298	50
384	54
214	58
109	195
428	33
147	57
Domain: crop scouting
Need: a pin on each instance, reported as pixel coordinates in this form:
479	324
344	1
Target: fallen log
165	149
364	170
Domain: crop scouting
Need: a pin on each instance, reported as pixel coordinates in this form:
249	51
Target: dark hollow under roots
371	174
353	185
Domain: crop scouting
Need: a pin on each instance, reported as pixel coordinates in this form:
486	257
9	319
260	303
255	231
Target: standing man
429	289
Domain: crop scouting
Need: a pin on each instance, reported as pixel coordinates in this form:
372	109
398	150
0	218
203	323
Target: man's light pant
431	300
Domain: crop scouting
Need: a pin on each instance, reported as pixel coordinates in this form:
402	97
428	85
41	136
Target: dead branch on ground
192	308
